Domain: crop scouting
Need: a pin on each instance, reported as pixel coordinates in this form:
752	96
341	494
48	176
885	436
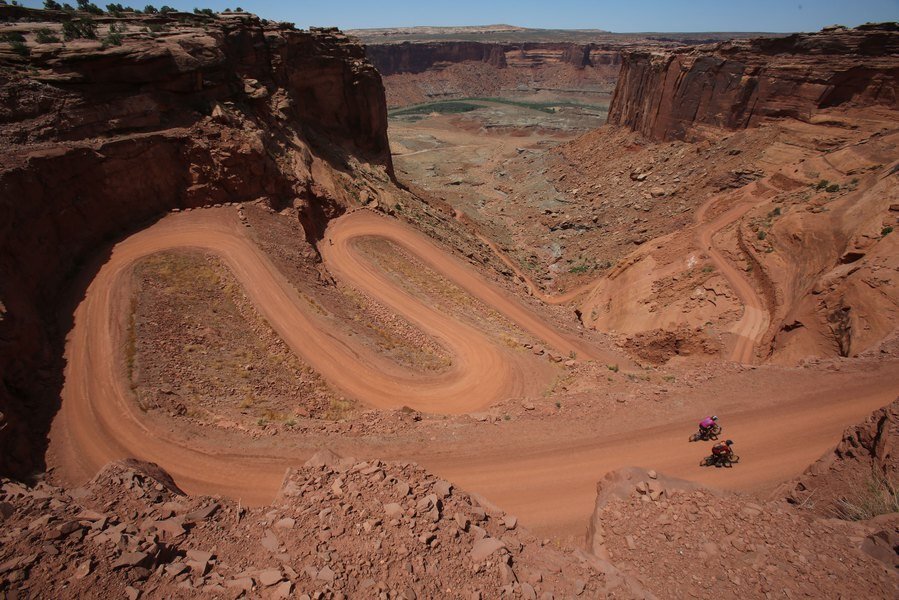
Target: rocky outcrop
98	139
670	537
864	464
340	528
579	56
738	84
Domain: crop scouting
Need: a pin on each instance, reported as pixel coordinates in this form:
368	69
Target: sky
615	15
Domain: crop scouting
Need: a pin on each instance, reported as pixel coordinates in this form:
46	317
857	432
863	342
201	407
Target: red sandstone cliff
417	72
739	84
417	57
407	57
98	140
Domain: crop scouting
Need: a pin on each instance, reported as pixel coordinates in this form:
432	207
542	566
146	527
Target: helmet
714	417
729	442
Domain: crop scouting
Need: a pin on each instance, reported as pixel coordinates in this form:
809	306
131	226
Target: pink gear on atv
707	423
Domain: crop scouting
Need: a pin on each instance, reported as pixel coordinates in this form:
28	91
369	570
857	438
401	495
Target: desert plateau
408	309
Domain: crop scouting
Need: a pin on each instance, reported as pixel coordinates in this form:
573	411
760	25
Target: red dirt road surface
100	422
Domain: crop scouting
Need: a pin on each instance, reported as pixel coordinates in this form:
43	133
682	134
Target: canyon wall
739	84
99	138
411	57
418	72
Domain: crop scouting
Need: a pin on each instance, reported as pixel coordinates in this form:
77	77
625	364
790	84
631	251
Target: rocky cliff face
733	85
410	57
418	72
98	139
407	57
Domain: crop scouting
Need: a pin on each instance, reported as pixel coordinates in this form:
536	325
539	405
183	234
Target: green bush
20	48
45	36
886	230
79	28
90	7
822	184
13	36
833	187
51	5
112	39
761	234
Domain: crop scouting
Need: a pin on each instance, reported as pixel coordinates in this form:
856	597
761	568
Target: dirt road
754	322
549	487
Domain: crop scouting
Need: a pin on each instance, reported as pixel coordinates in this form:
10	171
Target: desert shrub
613	368
45	36
52	5
90	7
20	48
822	184
79	28
117	28
879	496
761	234
150	9
112	39
165	8
886	230
775	213
204	11
13	36
833	187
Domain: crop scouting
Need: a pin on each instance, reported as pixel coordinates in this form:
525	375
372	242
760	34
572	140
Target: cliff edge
739	84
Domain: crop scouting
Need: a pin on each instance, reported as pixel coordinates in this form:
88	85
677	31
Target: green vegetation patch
443	107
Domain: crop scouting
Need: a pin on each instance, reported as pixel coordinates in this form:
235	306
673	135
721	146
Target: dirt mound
341	528
858	479
660	345
678	540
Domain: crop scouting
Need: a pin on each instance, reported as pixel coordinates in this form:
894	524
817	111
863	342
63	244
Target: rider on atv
722	451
